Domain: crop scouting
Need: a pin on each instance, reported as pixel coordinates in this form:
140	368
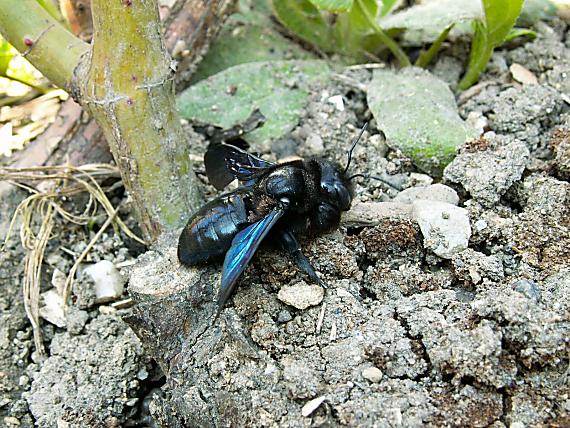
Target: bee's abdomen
210	231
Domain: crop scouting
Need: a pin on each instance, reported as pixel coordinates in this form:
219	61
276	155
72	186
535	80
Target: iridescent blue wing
243	248
226	162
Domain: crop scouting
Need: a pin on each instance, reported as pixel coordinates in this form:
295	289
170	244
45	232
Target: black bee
275	202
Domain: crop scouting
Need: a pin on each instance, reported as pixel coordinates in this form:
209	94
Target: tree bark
189	28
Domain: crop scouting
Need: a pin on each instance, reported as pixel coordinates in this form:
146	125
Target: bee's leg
290	244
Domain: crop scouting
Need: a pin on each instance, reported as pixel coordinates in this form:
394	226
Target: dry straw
38	211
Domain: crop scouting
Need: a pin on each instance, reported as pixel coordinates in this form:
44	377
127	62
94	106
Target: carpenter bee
275	202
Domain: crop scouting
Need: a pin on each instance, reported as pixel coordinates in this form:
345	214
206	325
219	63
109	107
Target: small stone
517	425
472	267
76	320
23	380
107	310
284	316
378	141
528	288
434	192
374	213
311	406
11	421
37	357
418	179
142	374
109	283
373	374
480	225
337	101
314	144
444	236
58	280
53	310
301	295
523	75
476	120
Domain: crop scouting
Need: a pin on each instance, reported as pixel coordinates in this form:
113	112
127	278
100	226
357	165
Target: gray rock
373	213
528	288
314	145
488	169
434	192
474	267
301	295
284	316
523	113
418	179
301	376
53	309
445	227
76	320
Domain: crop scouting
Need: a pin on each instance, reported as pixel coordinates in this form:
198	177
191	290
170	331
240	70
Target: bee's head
334	182
335	186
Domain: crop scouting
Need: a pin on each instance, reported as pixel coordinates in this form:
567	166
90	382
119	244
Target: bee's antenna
357	175
354	145
381	179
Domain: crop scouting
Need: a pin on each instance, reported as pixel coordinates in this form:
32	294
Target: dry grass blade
33	265
38	211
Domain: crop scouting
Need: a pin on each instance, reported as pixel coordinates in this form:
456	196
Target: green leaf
418	114
249	35
500	17
481	51
387	6
247	43
519	32
278	88
425	57
332	5
424	23
6	54
351	29
305	21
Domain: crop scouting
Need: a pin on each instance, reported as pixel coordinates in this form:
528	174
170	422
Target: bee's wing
243	248
226	162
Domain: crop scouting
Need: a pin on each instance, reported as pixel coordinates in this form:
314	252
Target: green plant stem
127	85
475	69
481	52
426	57
42	40
387	40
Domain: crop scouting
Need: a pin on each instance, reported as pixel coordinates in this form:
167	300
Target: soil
417	327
